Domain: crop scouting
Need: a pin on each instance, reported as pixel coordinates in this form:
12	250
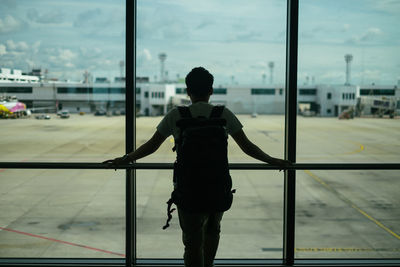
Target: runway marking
358	150
354	206
346	249
61	241
361	148
335	249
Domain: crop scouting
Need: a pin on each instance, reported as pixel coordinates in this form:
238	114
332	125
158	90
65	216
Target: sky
234	39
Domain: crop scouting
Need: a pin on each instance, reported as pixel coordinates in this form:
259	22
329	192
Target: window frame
288	258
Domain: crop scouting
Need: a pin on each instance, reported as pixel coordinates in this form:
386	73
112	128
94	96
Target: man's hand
114	163
280	162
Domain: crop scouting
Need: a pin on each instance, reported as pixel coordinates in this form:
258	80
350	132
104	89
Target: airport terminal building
153	99
64	204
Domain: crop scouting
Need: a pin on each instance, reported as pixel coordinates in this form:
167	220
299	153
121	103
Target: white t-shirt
167	126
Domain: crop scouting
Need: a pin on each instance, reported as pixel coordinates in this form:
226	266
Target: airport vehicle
64	114
100	112
43	117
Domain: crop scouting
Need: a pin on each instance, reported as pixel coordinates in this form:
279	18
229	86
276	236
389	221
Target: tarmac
81	213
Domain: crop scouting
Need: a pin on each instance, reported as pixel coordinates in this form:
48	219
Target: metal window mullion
130	106
290	131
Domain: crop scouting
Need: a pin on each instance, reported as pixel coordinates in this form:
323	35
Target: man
200	230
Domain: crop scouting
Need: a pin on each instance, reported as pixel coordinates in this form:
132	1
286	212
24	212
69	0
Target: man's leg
192	225
211	238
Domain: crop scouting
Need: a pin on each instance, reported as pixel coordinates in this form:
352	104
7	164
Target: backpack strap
184	111
169	213
216	112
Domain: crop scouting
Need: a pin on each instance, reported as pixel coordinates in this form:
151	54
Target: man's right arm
144	150
254	151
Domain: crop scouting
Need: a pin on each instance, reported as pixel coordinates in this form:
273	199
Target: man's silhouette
200	230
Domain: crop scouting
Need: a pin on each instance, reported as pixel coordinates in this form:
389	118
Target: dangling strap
169	213
216	112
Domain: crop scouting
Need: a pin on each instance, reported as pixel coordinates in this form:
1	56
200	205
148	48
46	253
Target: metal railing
169	166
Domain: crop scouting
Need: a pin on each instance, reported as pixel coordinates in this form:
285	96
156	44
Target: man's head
199	82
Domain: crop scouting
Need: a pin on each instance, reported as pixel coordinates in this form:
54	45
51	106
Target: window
262	91
377	92
180	90
56	213
329	95
307	91
18	90
220	91
63	207
138	90
341	139
192	29
108	90
74	90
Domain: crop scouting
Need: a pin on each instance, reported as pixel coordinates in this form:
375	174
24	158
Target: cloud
9	3
174	29
321	32
9	24
36	46
19	46
50	17
157	24
3	50
146	53
261	65
204	24
90	53
143	57
88	18
243	36
370	34
388	6
60	57
332	76
66	54
69	65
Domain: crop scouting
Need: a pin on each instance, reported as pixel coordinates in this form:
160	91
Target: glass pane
348	80
243	46
252	228
61	65
347	214
62	213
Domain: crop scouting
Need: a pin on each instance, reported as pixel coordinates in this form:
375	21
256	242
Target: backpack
202	182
